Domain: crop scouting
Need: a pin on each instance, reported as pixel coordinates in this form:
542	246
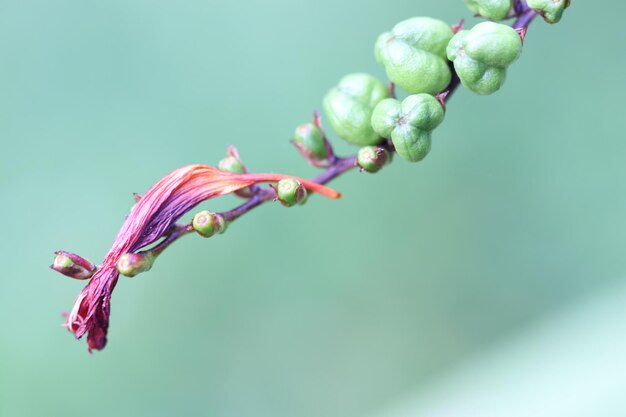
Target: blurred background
487	280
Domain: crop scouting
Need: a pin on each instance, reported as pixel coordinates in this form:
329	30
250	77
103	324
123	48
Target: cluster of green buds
207	223
481	55
490	9
550	10
421	55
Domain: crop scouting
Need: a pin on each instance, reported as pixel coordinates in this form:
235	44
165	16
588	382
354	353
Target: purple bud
72	265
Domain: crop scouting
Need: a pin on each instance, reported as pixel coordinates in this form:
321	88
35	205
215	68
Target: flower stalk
153	221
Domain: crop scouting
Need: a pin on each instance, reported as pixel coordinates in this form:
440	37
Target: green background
462	281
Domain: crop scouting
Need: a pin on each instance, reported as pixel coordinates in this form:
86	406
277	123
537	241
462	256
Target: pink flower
160	207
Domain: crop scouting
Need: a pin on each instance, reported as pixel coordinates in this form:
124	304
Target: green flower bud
207	223
491	9
131	264
231	164
372	158
409	123
481	55
414	54
349	107
311	143
290	192
550	10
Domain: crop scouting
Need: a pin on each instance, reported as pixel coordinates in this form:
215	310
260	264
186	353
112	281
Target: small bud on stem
72	265
312	145
372	158
131	264
232	163
207	223
290	192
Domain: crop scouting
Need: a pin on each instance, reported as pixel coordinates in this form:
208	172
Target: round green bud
414	54
349	107
550	10
207	223
231	164
131	264
481	55
372	158
491	9
310	141
290	192
409	123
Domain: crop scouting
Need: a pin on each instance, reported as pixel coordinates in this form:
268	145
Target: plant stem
339	166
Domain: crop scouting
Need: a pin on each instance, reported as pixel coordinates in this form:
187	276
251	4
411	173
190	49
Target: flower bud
550	10
311	143
72	265
349	107
231	164
409	123
290	192
481	55
414	54
131	264
207	223
372	158
491	9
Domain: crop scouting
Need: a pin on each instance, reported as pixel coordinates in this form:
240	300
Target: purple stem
339	166
519	6
174	233
524	19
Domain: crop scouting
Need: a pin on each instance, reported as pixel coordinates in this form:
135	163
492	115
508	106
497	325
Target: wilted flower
151	218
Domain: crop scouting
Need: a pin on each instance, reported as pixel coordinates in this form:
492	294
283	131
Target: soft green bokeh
336	308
